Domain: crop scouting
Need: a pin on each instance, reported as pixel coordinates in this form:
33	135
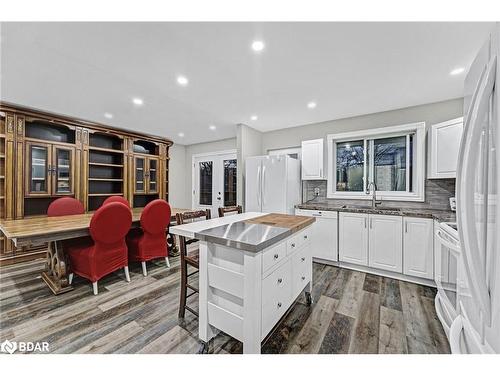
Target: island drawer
301	270
298	241
273	256
276	295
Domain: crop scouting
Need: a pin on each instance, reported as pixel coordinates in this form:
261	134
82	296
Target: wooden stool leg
182	302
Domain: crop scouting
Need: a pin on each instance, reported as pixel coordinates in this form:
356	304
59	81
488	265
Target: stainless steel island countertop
243	231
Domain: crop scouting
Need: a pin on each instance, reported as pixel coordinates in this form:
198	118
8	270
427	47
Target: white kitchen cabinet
418	249
445	144
324	234
385	242
313	160
353	238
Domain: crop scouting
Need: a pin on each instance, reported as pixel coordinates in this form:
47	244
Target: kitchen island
253	266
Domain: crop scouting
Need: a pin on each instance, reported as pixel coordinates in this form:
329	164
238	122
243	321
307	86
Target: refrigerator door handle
466	194
263	186
259	186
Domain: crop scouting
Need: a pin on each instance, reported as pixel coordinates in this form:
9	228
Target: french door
214	181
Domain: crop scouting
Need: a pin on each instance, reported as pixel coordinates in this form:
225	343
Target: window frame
418	167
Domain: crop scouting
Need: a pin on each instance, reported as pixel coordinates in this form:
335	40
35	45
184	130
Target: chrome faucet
375	202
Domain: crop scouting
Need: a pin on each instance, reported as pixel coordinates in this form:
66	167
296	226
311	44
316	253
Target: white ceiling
87	69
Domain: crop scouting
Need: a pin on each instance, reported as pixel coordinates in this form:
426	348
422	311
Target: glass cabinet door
139	166
62	170
152	175
38	169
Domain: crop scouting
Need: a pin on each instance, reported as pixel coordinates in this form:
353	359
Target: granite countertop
439	215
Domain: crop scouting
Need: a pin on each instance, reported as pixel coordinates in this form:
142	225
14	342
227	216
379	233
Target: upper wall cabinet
313	160
445	144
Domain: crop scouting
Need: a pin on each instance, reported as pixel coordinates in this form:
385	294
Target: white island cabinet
253	266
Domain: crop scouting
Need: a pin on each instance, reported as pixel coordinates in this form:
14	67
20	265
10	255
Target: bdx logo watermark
24	347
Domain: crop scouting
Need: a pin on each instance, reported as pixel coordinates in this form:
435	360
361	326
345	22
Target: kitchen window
391	157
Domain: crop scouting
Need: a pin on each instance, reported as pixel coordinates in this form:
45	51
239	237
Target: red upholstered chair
107	250
150	241
65	206
116	198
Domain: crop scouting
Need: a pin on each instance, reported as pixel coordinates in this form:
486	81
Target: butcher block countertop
249	231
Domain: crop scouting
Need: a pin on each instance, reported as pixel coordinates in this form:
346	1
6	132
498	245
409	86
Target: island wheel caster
309	299
204	347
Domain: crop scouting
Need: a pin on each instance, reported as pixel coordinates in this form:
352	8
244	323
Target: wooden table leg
56	270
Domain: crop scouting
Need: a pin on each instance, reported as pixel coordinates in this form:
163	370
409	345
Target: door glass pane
153	173
38	169
139	174
206	183
63	169
350	166
230	182
389	163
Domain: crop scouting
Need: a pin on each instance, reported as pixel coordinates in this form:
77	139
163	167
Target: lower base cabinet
387	242
418	247
385	247
353	238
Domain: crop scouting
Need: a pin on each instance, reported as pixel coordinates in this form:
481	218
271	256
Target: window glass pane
230	182
206	183
350	166
390	163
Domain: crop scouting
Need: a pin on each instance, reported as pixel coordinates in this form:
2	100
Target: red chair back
65	206
156	217
110	223
116	198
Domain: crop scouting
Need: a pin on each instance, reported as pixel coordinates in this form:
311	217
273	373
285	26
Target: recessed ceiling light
456	71
258	45
254	118
108	115
181	135
183	81
212	127
138	101
311	105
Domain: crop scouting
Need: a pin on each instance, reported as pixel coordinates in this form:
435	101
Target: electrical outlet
316	191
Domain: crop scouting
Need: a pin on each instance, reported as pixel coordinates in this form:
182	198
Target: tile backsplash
437	195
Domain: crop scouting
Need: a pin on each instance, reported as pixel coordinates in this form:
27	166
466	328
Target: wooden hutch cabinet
44	156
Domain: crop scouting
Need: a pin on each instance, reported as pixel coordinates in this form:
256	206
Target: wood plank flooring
353	312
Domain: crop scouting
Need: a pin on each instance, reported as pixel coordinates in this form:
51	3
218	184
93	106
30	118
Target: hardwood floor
353	312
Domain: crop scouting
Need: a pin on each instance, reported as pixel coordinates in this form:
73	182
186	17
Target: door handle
263	184
365	221
259	186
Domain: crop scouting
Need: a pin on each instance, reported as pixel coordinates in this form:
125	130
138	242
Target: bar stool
150	241
106	251
225	210
189	257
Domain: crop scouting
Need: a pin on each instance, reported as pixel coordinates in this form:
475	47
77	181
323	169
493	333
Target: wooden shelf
106	179
106	165
104	194
94	148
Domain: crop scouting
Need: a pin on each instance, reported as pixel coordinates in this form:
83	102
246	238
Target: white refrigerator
272	184
477	326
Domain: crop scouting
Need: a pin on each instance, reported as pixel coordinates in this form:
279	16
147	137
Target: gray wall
249	143
430	113
180	175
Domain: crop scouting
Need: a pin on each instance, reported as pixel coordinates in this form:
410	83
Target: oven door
446	265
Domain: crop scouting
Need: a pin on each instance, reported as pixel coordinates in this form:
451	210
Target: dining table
40	230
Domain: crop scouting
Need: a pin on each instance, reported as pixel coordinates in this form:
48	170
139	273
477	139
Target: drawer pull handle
303	278
279	305
276	256
303	259
293	245
280	280
305	237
